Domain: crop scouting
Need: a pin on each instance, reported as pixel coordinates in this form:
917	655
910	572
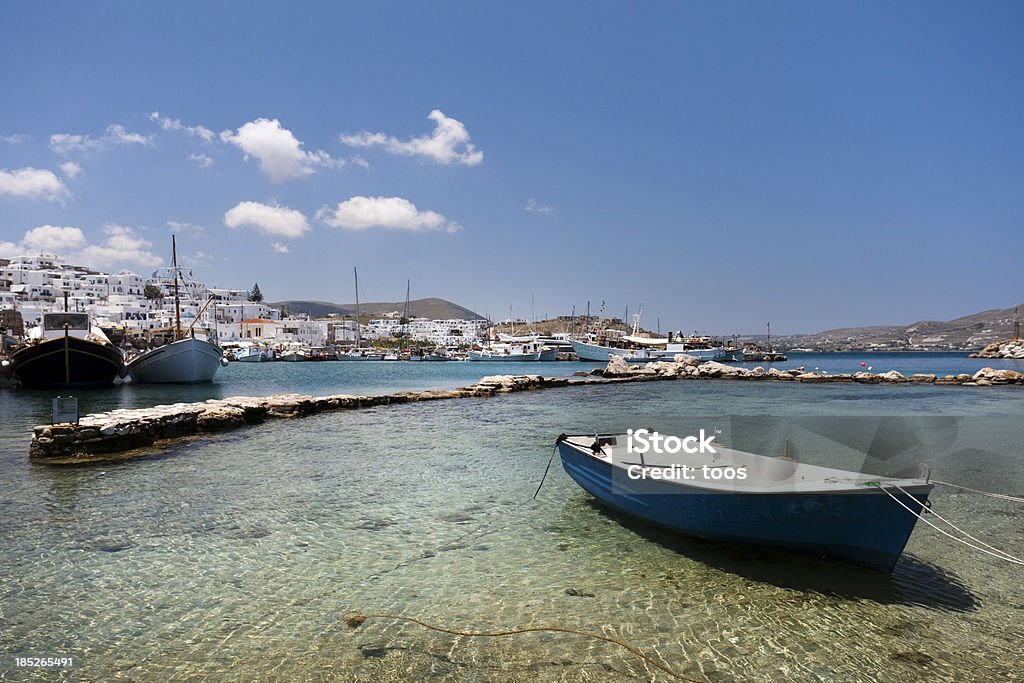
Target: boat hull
504	358
66	362
186	361
867	528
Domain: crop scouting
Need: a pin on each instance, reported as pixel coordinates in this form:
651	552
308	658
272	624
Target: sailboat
186	360
359	353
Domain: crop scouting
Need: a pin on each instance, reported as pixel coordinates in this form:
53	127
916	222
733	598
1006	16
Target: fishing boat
528	352
66	351
294	356
360	354
779	503
437	355
188	359
253	354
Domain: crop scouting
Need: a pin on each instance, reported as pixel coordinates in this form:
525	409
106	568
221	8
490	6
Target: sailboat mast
177	303
358	337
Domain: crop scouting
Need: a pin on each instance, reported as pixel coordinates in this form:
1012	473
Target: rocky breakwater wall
129	432
690	367
1013	348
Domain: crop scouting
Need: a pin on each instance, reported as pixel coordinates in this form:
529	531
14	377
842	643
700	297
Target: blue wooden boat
779	504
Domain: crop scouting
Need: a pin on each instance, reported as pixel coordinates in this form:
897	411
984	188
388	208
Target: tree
256	295
152	292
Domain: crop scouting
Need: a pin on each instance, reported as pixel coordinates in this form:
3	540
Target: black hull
66	363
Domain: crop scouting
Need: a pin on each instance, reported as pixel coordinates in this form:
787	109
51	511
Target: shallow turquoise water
235	557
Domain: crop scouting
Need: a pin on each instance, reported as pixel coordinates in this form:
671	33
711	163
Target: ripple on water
237	557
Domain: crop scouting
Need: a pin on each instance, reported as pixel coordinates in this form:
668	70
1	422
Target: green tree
256	295
152	292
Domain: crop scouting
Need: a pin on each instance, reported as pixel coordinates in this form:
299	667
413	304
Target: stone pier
129	433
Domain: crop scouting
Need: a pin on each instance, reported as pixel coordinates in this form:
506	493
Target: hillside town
137	309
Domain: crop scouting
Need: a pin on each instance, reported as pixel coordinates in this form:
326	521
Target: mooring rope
999	554
1001	496
356	620
550	460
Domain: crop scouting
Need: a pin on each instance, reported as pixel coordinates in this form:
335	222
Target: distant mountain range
433	308
967	333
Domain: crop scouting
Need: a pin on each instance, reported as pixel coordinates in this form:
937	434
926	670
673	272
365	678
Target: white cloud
279	248
123	245
442	145
116	134
270	220
15	139
202	160
167	123
532	205
279	152
53	239
361	213
34	183
186	228
70	169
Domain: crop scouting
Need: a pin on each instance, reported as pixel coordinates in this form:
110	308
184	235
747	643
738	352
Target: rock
919	378
617	367
866	378
686	359
893	376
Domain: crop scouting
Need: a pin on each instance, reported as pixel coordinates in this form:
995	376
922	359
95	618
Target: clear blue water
234	557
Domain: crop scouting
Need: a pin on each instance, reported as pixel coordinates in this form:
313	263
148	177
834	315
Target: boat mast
177	304
359	341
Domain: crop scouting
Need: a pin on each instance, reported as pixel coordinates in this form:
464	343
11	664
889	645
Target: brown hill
433	308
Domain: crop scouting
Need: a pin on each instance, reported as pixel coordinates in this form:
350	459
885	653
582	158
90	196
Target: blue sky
722	163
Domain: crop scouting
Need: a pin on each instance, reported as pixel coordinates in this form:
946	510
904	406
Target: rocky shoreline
1013	348
130	433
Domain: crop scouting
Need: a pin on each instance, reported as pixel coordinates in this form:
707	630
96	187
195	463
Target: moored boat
360	354
781	504
66	351
526	352
186	360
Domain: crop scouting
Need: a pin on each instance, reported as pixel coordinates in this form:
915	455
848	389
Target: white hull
186	361
509	357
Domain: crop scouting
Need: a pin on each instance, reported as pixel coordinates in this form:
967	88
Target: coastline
126	434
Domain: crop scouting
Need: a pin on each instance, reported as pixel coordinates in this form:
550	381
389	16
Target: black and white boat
66	351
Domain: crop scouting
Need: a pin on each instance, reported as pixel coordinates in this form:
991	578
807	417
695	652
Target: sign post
65	410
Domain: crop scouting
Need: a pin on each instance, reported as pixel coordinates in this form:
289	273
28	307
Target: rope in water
358	618
1002	496
994	552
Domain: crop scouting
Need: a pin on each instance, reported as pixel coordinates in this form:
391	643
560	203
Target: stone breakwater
1004	349
689	367
128	433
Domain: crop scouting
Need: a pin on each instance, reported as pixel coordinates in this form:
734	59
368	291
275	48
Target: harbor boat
548	353
253	354
66	351
294	356
797	507
360	354
390	356
437	355
527	352
188	359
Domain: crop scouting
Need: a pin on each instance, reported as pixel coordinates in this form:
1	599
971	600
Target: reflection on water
236	557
